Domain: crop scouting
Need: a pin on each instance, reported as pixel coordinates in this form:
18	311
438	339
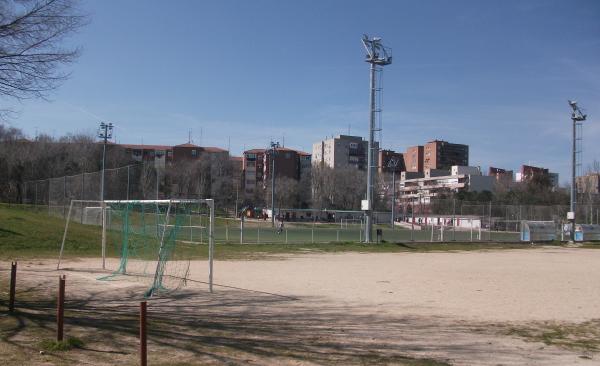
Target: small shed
585	232
533	231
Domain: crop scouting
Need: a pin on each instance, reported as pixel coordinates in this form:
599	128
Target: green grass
32	233
54	345
583	336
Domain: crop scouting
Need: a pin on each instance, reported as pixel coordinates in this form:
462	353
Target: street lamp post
393	163
105	134
274	147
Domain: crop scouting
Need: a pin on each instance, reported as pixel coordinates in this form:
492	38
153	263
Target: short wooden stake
60	309
13	285
143	348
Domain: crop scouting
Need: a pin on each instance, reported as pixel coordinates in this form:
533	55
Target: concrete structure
433	183
342	151
384	158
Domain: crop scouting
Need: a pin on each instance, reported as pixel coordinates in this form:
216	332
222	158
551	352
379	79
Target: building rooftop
145	147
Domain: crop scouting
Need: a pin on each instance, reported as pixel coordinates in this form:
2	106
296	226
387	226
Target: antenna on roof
190	136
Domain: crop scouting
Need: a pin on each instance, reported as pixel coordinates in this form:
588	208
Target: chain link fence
441	220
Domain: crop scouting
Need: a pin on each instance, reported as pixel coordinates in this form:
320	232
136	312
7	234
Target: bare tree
31	57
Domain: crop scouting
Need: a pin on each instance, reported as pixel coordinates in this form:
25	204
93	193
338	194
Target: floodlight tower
577	117
105	133
378	56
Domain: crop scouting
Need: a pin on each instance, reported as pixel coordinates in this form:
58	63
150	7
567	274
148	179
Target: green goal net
148	240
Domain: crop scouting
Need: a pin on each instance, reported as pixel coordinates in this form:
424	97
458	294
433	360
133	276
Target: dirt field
510	307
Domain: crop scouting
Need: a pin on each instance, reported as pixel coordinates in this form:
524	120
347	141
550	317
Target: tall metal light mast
378	56
274	147
577	117
105	133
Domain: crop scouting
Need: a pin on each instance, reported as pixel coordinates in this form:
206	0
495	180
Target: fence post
286	238
143	339
60	309
226	231
312	234
258	234
431	232
242	229
471	225
490	222
337	235
127	194
453	219
13	285
64	195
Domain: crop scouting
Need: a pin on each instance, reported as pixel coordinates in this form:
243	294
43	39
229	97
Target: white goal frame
104	204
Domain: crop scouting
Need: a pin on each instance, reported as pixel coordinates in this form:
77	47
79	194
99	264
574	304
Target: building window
353	145
194	153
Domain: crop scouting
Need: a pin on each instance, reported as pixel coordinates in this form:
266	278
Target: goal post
143	232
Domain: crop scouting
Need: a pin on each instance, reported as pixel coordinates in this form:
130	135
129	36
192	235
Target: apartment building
343	151
528	172
502	176
436	154
257	166
421	188
157	154
413	159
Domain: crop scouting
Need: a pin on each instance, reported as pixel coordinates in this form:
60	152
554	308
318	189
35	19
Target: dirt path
466	308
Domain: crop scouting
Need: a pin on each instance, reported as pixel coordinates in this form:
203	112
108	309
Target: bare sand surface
320	309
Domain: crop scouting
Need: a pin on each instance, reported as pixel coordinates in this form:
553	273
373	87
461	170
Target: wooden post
13	284
143	340
60	308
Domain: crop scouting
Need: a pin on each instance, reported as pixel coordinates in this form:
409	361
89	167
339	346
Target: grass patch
573	336
27	233
53	345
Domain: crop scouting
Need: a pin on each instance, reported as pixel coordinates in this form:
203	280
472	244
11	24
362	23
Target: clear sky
495	75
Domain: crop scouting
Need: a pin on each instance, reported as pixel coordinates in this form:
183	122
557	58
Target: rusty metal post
60	308
143	348
13	285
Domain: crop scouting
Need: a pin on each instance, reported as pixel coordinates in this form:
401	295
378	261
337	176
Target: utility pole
106	130
378	56
577	117
274	147
393	163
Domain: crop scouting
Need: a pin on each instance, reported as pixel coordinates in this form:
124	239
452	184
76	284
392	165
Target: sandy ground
452	307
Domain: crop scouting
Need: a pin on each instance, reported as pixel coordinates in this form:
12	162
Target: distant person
280	227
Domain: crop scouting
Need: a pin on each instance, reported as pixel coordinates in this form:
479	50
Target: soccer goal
351	222
152	240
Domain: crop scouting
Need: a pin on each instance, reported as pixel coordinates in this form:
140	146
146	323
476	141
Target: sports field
308	304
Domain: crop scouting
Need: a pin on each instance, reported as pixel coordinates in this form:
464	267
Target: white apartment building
422	187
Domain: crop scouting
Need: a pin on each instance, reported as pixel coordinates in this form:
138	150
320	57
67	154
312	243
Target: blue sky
492	74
